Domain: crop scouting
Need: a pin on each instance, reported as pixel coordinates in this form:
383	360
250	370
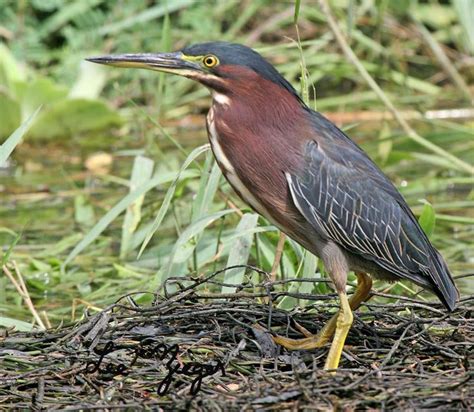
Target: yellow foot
309	342
338	326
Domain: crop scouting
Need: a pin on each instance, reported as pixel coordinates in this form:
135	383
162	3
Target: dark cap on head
240	55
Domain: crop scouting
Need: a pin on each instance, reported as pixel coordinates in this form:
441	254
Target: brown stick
278	254
374	116
20	286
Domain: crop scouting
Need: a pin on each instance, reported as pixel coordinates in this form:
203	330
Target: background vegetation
107	193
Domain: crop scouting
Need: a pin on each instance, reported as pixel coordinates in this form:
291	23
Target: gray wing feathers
368	217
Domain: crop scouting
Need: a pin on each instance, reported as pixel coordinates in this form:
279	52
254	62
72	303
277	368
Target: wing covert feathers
352	203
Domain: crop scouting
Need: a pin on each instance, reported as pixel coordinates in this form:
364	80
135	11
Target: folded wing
348	200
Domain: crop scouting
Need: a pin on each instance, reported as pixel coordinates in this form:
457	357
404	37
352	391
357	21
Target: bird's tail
444	286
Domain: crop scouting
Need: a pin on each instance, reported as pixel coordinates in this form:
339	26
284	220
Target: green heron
303	174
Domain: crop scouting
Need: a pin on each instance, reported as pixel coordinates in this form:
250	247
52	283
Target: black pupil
209	61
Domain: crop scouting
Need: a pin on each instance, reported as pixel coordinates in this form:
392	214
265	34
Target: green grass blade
164	47
203	181
64	15
207	190
465	12
120	207
182	244
427	218
141	173
309	266
169	195
150	13
297	11
6	255
15	323
9	145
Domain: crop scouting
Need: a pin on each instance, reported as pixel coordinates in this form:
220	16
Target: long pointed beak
164	62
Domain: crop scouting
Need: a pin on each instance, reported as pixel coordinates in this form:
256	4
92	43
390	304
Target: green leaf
240	252
61	246
310	265
413	83
10	114
10	70
41	91
72	117
427	218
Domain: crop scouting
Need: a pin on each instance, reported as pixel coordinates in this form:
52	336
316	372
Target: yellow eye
210	61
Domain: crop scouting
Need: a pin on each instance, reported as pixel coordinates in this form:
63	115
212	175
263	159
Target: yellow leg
364	284
343	324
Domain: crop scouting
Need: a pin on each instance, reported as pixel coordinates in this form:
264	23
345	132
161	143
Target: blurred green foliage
66	112
110	195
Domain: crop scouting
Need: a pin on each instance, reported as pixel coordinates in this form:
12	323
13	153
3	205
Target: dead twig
20	286
405	353
278	254
377	116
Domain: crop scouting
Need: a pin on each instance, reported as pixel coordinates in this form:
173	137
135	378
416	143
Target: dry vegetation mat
194	349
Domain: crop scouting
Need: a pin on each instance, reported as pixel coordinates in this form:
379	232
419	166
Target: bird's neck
261	126
257	138
259	108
